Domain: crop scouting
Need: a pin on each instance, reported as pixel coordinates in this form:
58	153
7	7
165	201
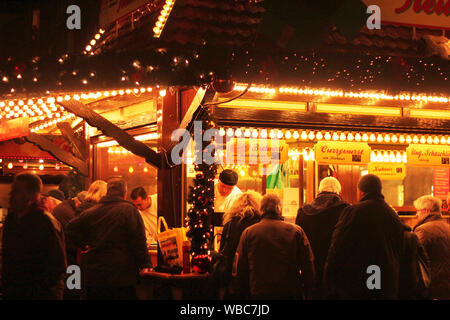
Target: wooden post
310	181
300	181
170	187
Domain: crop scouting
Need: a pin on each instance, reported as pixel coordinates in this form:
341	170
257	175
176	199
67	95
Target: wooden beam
69	134
111	130
69	159
196	102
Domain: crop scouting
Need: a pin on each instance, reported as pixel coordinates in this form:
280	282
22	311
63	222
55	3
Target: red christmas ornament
200	263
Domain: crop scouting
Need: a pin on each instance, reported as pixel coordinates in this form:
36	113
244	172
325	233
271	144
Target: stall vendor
226	190
147	205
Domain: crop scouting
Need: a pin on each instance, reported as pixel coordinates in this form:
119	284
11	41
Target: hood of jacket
324	201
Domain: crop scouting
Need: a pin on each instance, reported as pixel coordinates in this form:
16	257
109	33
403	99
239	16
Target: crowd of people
97	230
334	250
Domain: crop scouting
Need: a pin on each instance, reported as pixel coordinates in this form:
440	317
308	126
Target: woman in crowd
243	213
96	191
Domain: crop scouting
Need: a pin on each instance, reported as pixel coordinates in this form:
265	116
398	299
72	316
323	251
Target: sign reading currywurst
342	152
423	155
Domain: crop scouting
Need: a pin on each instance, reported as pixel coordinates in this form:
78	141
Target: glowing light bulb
41	167
335	136
10	165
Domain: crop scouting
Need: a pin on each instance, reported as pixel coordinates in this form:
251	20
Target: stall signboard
14	128
418	13
245	151
441	183
388	171
331	152
425	155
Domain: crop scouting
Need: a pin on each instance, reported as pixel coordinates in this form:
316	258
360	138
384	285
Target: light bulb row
90	46
77	96
388	156
162	18
342	93
52	121
334	136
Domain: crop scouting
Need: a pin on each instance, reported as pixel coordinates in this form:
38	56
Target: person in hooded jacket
367	248
318	220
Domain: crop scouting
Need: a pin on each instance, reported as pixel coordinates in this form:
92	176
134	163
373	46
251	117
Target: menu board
342	152
441	183
255	151
388	171
424	155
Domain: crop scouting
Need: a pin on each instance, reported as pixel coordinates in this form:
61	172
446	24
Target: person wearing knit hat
226	190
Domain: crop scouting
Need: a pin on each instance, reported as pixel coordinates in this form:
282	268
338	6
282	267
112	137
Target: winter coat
86	204
318	220
434	234
64	212
367	234
231	234
414	269
271	256
34	260
114	233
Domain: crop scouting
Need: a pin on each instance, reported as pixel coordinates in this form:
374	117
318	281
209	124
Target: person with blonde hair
96	191
434	235
243	213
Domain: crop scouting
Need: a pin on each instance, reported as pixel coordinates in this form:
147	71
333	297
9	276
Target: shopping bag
171	243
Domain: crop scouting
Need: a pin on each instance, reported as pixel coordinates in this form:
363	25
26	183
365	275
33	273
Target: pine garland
201	197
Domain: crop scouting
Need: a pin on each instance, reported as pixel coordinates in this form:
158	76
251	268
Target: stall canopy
157	44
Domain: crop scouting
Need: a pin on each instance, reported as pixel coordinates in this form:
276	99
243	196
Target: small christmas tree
201	197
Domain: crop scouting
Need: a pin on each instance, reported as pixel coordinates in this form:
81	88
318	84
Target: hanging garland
198	66
201	198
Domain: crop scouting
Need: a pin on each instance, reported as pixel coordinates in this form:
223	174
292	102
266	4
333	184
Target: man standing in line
226	190
434	234
148	209
366	248
34	260
274	259
114	234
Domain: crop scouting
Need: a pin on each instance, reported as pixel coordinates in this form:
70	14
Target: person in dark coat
434	234
34	261
415	272
66	210
114	234
274	259
243	213
318	220
368	237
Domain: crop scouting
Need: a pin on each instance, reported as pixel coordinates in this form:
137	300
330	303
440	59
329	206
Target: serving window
297	175
110	160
